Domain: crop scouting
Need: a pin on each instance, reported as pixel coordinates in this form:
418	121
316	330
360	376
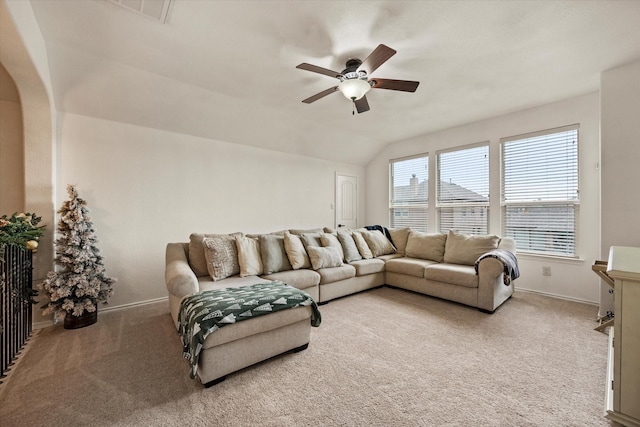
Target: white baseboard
548	294
104	308
40	325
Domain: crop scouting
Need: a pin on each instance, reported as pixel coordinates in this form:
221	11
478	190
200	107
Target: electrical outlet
546	271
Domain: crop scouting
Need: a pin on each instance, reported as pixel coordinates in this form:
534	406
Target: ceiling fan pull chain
353	110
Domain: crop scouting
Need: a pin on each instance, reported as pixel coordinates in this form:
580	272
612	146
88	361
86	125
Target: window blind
408	199
469	220
463	190
540	191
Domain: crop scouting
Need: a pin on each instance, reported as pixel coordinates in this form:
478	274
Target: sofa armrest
178	275
490	268
491	288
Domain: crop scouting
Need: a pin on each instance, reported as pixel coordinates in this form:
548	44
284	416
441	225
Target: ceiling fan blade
379	56
403	85
320	95
319	70
362	105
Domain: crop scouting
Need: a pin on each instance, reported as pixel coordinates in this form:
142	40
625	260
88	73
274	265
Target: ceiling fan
355	81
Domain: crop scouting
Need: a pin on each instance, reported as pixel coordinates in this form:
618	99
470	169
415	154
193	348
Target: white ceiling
225	70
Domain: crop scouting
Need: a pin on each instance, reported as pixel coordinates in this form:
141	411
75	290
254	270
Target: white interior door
346	201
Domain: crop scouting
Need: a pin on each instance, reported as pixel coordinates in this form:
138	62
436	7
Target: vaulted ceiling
225	70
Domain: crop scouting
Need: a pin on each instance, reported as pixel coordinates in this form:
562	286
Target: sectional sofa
327	264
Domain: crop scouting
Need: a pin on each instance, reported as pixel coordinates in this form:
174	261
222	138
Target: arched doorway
23	55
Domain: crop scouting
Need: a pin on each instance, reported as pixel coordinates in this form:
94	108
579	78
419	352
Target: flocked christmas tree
80	282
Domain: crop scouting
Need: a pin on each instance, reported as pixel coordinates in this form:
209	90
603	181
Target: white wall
571	279
620	100
147	187
620	145
11	147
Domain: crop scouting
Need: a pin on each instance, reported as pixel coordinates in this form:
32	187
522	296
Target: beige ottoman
245	343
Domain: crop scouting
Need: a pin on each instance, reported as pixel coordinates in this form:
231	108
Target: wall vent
154	9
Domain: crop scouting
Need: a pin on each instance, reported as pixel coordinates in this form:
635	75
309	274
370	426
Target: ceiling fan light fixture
354	89
354	81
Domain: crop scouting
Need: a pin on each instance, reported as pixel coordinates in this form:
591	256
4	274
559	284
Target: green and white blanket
205	312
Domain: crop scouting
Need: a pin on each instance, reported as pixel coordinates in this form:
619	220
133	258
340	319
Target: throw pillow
300	232
363	248
399	237
378	243
426	245
310	239
197	260
249	256
466	249
324	257
273	254
295	251
349	247
330	240
221	254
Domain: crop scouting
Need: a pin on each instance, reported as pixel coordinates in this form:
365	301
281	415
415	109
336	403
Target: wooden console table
600	268
623	373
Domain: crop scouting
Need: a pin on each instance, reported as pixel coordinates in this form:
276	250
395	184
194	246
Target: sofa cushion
426	245
466	249
363	248
197	260
274	256
221	254
409	266
455	274
301	279
349	247
249	256
330	240
399	237
378	243
330	275
295	251
324	257
386	258
368	266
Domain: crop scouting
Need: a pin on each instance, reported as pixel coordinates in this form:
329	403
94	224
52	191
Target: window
540	195
408	199
463	190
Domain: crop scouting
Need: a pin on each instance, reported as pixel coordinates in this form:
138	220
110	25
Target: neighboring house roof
448	191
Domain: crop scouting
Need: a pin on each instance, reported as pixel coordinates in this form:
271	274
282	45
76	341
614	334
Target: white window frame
403	207
481	205
538	203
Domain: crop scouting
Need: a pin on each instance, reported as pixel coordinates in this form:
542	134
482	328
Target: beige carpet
383	357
